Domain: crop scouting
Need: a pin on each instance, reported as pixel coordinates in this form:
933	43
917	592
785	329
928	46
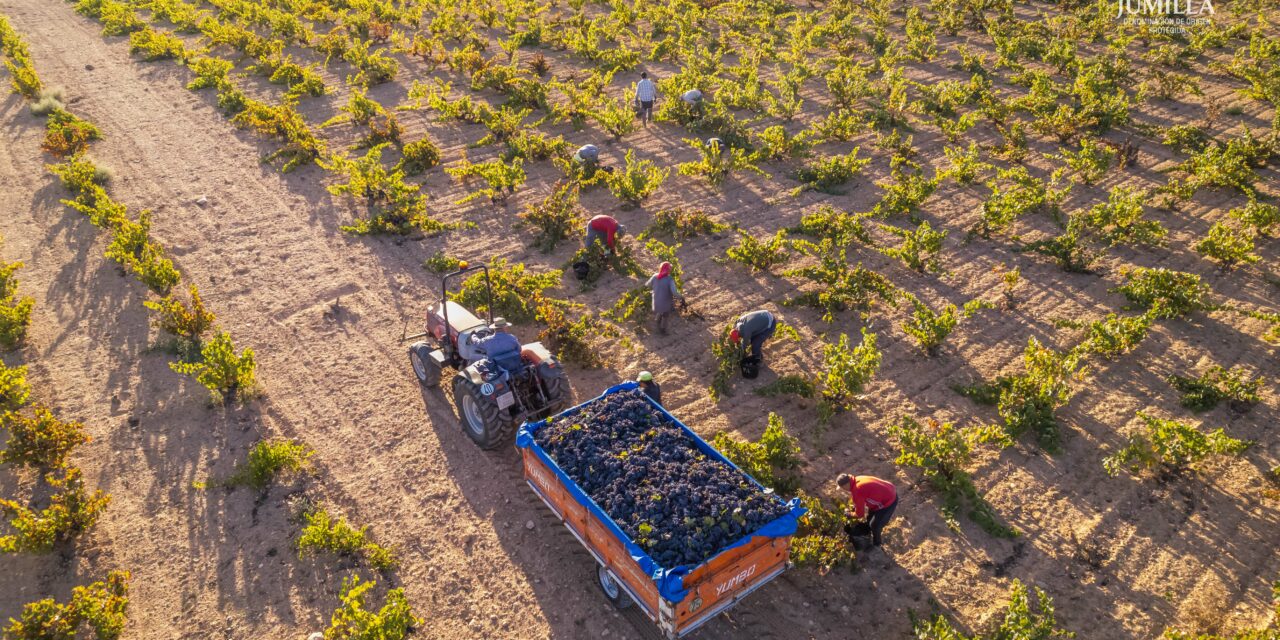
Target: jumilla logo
1156	8
1170	17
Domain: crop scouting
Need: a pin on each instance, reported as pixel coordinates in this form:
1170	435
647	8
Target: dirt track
324	313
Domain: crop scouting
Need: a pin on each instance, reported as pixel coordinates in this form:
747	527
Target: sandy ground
1122	557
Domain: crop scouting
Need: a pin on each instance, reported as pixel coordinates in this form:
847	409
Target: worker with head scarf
665	294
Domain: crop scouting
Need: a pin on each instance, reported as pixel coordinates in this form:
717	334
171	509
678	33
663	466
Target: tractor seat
459	318
502	348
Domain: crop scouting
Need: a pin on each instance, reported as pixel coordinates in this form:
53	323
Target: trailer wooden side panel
624	566
593	534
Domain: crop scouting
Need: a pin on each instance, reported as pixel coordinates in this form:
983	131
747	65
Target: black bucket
581	269
857	529
750	368
859	535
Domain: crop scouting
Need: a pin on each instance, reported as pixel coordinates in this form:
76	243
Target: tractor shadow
510	511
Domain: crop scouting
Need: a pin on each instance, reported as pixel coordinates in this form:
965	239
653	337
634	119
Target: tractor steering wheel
478	333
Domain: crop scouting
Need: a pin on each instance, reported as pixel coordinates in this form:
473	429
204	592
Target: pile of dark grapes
680	506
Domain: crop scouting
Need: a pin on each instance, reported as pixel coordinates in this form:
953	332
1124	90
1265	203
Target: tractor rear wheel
425	368
482	421
557	394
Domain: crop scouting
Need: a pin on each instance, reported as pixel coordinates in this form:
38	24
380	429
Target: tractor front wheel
425	368
481	419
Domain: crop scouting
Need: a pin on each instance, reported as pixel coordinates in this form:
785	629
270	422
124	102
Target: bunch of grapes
679	505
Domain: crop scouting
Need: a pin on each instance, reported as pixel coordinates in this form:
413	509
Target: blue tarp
670	582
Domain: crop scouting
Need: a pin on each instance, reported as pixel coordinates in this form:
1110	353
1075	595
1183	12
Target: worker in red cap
665	294
754	328
603	228
873	499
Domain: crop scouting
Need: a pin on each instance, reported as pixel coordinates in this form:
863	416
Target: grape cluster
679	505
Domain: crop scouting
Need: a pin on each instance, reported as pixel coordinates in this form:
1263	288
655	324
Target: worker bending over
754	328
605	229
693	99
588	157
873	499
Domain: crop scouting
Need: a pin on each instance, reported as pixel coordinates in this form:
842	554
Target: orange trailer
676	602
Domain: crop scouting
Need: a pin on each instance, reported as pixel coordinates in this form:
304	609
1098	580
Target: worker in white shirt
693	98
588	157
646	93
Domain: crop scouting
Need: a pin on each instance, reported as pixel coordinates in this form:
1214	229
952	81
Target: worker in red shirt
872	498
603	228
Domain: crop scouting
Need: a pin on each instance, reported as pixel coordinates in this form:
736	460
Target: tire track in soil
314	370
88	342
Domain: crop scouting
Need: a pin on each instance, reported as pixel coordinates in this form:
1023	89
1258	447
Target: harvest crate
677	599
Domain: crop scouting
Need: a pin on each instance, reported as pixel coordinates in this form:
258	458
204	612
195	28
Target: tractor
493	393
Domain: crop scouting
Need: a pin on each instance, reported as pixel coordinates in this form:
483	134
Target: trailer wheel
612	590
481	419
425	368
